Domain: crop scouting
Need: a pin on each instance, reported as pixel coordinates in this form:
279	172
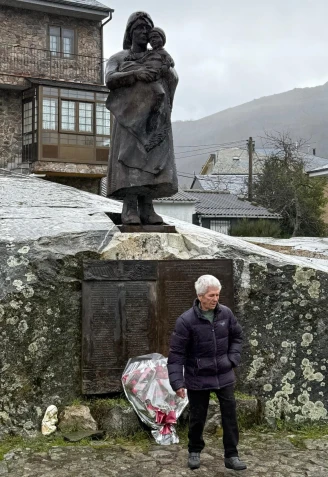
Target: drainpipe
102	43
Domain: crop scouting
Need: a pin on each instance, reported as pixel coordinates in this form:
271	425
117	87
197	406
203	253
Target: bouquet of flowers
147	387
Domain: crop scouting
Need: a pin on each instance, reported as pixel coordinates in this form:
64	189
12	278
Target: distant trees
284	187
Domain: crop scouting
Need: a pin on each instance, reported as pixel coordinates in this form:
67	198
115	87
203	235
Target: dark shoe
234	463
130	211
194	460
147	213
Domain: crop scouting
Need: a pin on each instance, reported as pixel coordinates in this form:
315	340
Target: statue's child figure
157	40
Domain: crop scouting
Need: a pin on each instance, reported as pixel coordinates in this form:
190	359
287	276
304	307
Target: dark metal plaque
130	308
177	290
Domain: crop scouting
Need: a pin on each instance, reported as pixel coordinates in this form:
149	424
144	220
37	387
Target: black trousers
198	406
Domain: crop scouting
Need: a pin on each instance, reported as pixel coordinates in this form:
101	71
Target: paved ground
265	455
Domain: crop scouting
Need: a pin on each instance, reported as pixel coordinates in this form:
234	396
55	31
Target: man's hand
181	393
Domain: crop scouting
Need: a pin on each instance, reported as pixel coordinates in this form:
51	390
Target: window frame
61	53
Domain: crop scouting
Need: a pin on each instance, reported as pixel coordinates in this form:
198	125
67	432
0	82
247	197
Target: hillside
302	111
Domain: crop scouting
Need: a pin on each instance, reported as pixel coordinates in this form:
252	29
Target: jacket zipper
213	331
216	364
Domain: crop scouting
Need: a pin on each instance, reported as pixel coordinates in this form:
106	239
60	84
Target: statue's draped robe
141	159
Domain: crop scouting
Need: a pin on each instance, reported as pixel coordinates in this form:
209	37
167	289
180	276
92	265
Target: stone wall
283	311
47	230
10	127
30	29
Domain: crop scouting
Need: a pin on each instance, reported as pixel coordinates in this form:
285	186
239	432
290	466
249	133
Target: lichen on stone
307	339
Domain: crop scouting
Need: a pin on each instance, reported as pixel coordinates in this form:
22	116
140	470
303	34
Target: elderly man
205	347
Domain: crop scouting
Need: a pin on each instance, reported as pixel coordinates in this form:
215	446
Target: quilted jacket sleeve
235	341
177	355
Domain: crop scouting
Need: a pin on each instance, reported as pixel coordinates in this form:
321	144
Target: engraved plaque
117	324
130	309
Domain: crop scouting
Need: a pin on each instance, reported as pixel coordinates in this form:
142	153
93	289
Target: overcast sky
231	52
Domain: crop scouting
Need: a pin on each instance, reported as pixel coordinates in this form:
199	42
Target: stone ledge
69	168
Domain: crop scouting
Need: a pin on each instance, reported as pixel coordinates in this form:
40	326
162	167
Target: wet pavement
265	455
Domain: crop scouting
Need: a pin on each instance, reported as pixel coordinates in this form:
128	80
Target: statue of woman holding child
142	83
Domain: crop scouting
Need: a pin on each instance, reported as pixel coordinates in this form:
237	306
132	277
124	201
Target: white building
180	206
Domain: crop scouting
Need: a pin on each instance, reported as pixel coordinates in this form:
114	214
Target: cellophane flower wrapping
147	387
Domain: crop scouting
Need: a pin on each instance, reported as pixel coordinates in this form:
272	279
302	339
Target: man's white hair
204	282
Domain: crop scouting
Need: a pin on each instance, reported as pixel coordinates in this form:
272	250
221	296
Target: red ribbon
167	420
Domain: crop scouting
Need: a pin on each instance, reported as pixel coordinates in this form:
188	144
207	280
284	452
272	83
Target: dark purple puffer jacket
205	351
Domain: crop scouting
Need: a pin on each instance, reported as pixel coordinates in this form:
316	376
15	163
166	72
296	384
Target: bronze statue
142	84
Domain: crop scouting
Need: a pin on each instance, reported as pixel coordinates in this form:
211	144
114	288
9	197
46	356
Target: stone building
53	119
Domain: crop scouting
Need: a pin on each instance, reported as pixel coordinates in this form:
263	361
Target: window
54	40
27	116
102	141
222	226
76	94
50	114
68	42
77	139
30	126
50	91
102	119
68	115
85	117
61	41
49	138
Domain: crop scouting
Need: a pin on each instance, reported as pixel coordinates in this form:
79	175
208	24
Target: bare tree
284	187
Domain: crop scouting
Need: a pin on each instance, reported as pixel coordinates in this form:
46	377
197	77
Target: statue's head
137	30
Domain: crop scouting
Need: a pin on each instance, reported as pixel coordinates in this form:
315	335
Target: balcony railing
37	63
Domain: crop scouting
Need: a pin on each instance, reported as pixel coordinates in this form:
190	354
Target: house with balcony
54	122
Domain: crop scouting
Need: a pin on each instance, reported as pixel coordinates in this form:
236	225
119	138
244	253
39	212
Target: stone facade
29	28
10	127
25	33
46	232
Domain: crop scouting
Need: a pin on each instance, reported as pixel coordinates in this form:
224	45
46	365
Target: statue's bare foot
147	213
